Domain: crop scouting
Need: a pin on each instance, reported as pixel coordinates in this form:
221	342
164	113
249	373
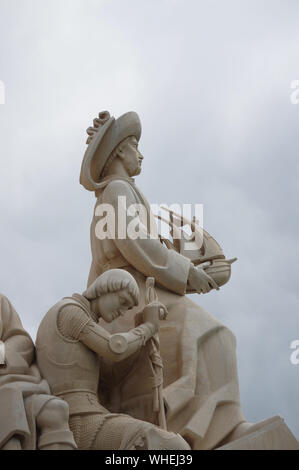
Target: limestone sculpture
69	343
200	389
31	418
132	363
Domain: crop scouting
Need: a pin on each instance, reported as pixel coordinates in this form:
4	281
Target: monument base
270	434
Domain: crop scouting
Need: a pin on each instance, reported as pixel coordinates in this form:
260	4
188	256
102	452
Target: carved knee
54	431
54	416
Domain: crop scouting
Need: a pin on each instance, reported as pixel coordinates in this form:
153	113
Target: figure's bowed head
112	294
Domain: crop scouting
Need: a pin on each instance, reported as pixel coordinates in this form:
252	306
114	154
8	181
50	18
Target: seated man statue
200	382
30	416
69	345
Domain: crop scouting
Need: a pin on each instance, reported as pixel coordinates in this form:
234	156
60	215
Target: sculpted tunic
201	391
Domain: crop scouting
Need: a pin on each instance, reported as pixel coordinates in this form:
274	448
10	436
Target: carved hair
112	281
111	157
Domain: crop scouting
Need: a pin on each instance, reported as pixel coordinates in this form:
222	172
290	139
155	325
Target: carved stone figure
30	416
69	345
201	391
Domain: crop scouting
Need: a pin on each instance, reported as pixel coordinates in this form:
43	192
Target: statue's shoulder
62	305
10	321
3	299
64	311
117	187
116	183
6	307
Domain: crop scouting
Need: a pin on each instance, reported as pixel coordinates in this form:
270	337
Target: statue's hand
199	281
153	313
155	310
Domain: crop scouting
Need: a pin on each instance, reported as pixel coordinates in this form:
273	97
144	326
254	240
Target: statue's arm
119	346
147	255
74	324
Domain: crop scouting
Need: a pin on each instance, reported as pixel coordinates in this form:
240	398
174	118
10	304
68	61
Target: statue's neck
104	181
117	168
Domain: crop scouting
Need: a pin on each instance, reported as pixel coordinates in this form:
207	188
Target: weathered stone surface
271	434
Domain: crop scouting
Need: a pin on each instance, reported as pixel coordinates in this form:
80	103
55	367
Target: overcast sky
211	81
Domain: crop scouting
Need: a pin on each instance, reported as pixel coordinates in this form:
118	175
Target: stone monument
200	377
131	363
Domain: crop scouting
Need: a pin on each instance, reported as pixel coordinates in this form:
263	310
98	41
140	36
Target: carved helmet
106	133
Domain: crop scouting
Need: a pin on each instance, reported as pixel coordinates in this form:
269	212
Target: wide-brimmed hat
106	134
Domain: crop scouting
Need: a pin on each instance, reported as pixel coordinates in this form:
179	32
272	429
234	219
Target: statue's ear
120	151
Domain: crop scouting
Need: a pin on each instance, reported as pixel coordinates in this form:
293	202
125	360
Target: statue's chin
135	173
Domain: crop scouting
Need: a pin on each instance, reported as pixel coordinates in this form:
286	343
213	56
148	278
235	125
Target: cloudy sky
211	81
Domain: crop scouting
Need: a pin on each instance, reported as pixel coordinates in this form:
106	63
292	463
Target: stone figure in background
69	345
30	416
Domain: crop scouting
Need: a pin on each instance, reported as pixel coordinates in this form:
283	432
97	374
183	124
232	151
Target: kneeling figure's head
112	294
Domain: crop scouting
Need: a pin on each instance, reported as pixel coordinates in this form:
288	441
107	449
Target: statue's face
110	306
131	156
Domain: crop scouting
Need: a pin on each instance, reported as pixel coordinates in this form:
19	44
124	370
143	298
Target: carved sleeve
118	346
71	321
74	324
